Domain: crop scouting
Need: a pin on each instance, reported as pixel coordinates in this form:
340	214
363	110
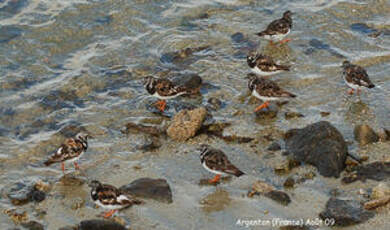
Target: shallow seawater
71	64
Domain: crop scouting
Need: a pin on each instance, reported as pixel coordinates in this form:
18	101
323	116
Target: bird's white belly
258	71
276	37
75	158
263	98
166	97
111	207
213	171
353	86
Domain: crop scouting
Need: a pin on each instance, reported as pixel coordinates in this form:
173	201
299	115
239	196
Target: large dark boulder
100	225
157	189
319	144
345	212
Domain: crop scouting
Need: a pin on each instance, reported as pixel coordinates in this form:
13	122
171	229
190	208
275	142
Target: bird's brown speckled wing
357	75
267	64
70	149
218	161
268	88
165	87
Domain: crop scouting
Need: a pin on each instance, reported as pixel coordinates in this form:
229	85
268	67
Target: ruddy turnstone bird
109	197
163	89
215	161
356	77
278	29
266	90
264	65
71	150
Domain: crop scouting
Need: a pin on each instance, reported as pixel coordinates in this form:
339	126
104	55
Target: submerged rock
291	115
22	193
100	225
214	103
267	113
152	130
33	225
345	212
275	146
377	171
364	134
262	188
186	123
319	144
7	33
156	189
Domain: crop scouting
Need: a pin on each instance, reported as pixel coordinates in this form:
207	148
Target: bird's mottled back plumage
265	63
70	149
279	26
216	160
266	88
356	75
110	196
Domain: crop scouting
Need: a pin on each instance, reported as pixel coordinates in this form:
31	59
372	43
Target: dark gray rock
275	146
345	212
319	144
33	225
100	225
364	134
157	189
377	171
279	196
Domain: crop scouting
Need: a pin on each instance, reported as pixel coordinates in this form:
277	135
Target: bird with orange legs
70	151
278	29
111	198
356	77
165	89
266	90
215	161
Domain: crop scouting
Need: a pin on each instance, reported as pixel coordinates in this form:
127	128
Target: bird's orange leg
285	40
262	106
350	92
63	167
215	179
271	42
76	166
161	105
109	213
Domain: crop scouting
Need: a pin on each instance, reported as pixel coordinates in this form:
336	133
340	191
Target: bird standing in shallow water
71	150
109	197
277	30
263	65
215	161
165	89
266	90
356	77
